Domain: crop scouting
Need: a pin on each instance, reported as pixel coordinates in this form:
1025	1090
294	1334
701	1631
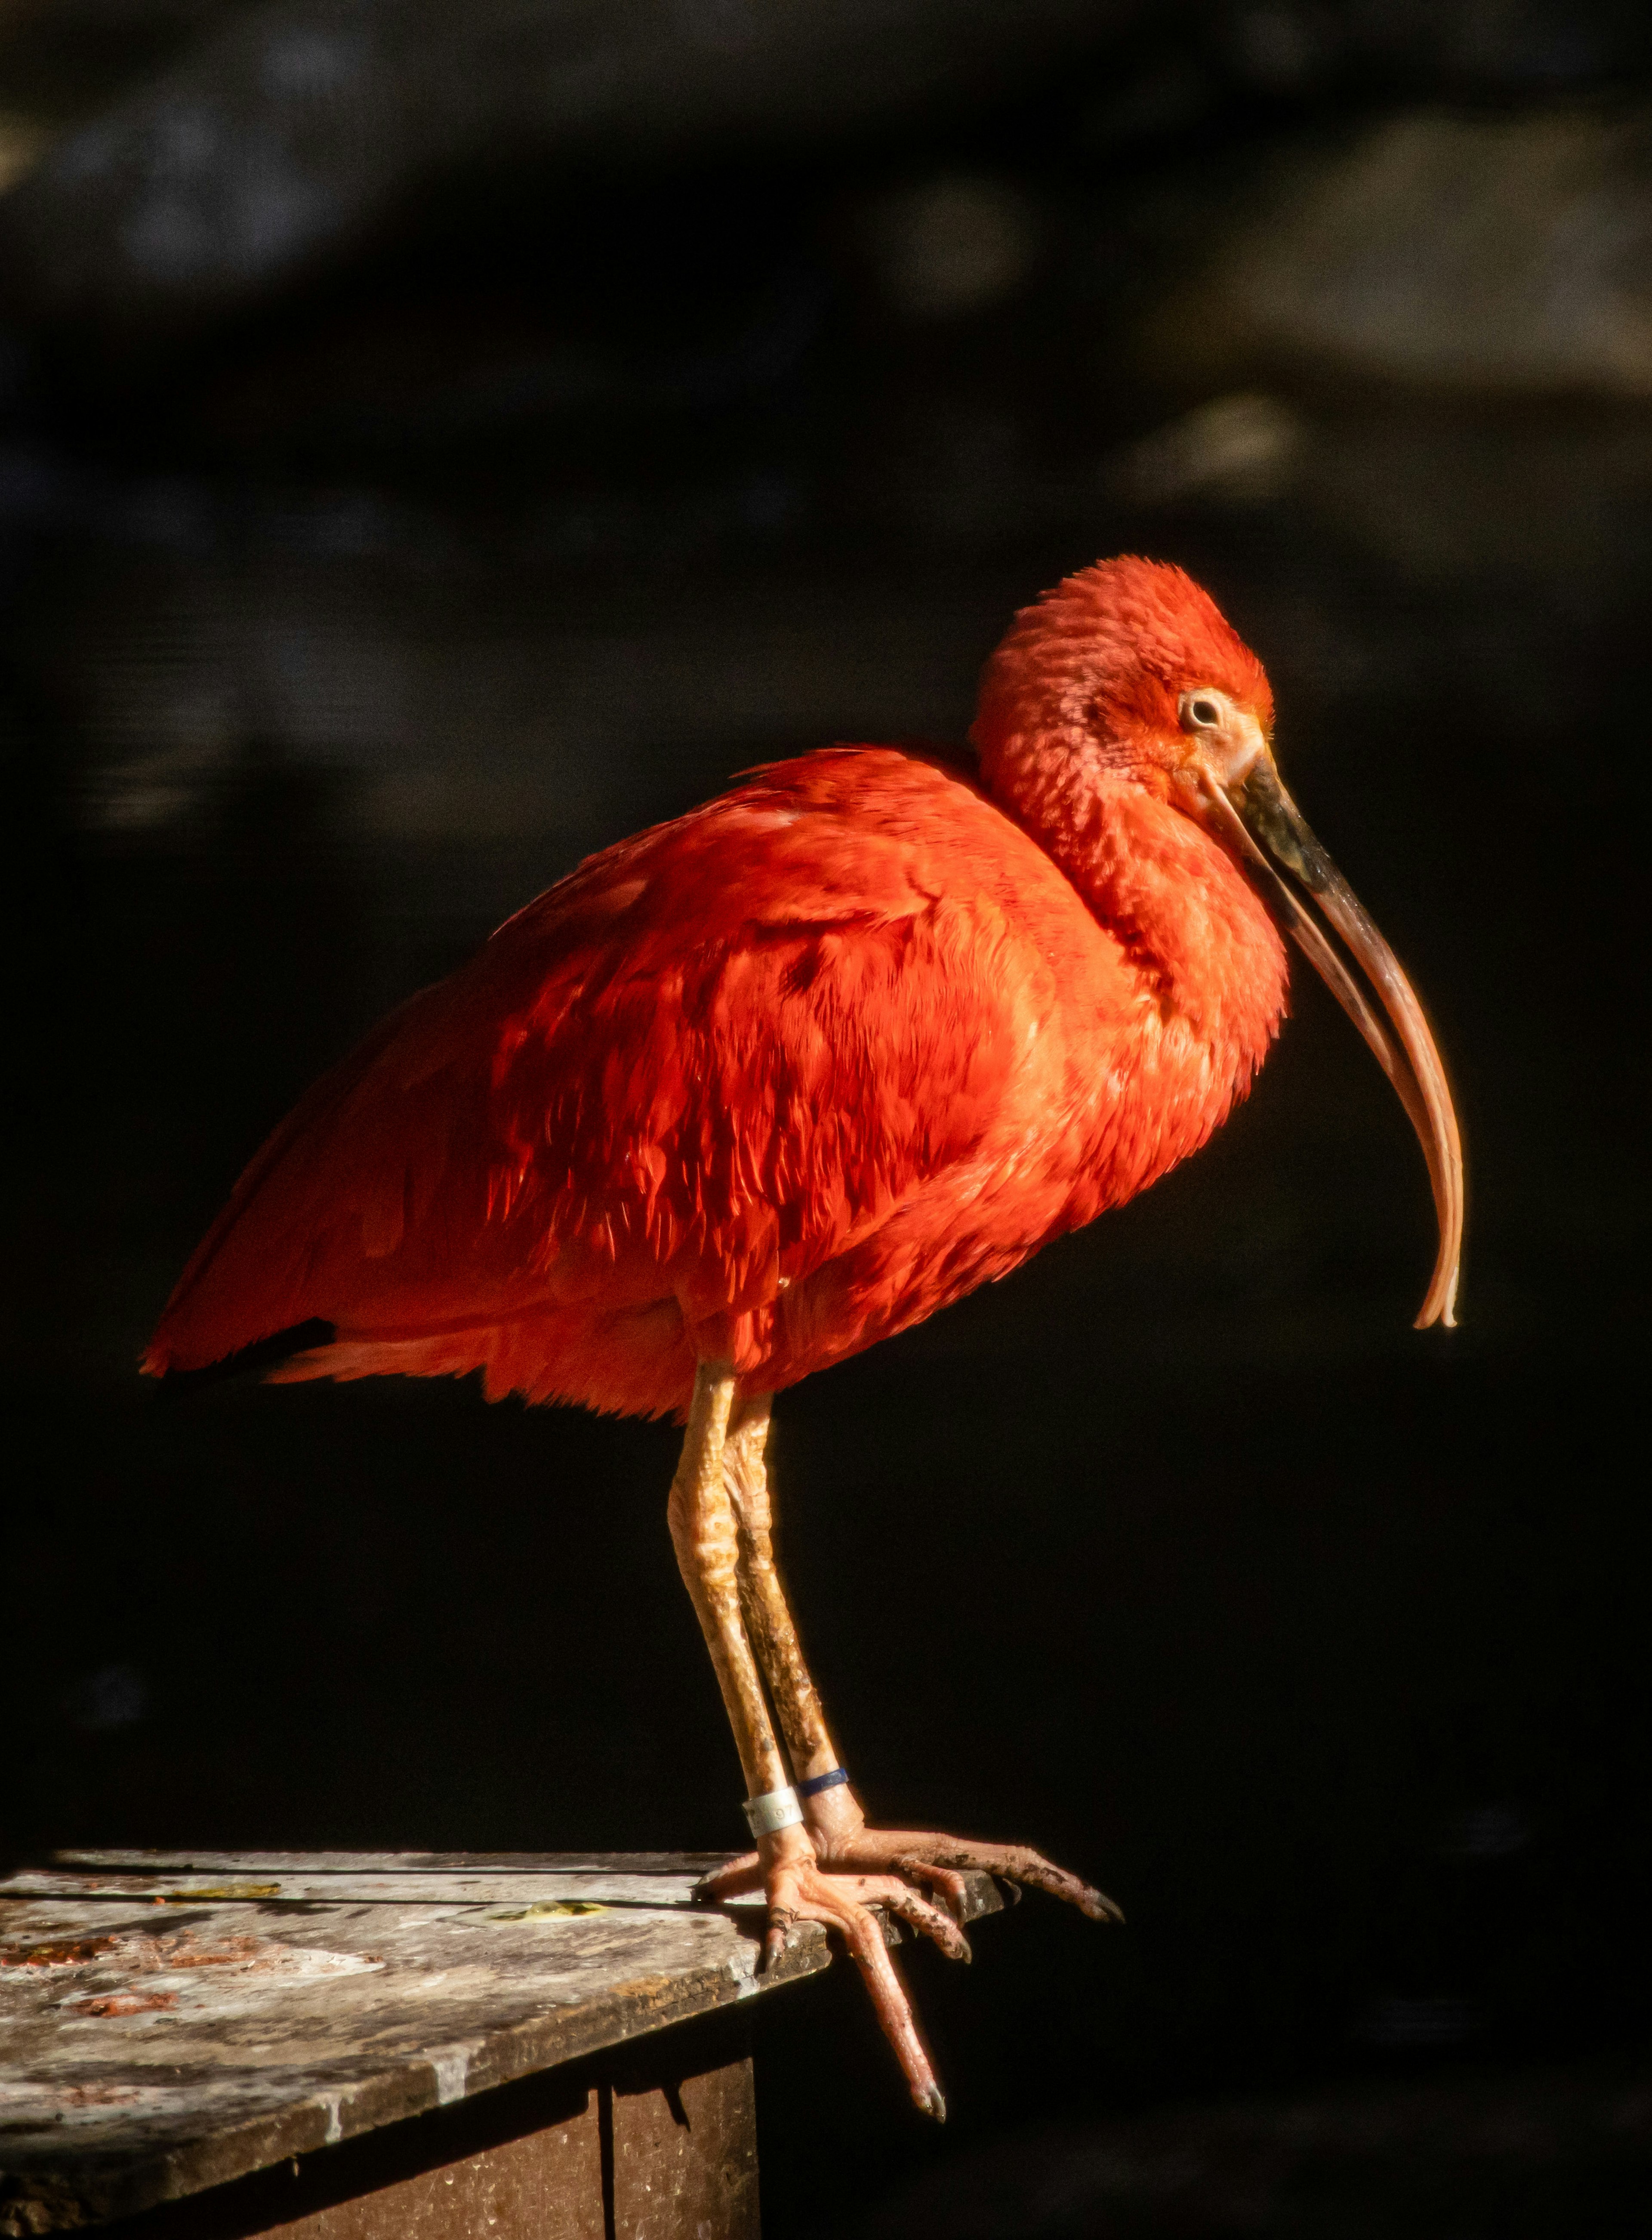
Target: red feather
771	1082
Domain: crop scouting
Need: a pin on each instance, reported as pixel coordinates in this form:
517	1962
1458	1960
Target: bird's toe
941	1863
800	1892
946	1883
734	1878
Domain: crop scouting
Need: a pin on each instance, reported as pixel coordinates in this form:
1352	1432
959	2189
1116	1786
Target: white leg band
778	1809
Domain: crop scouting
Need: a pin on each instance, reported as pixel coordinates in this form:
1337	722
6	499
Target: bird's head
1128	674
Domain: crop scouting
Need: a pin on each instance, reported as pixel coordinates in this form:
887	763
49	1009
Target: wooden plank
145	2058
656	1892
670	1883
259	1864
160	2035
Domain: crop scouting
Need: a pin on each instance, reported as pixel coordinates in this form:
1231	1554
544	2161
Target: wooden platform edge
34	2204
37	2202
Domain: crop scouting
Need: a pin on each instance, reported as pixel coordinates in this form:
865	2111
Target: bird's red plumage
772	1081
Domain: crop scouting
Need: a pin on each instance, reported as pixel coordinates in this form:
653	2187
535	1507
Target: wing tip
177	1372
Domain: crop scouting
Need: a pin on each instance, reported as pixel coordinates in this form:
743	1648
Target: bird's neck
1208	955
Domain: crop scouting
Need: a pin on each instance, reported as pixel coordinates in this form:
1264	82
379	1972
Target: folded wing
691	1073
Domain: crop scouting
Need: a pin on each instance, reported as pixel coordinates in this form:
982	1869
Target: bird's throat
1190	925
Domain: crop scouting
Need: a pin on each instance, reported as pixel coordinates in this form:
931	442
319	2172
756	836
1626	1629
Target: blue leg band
831	1780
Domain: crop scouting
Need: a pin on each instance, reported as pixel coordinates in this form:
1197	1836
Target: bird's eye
1202	713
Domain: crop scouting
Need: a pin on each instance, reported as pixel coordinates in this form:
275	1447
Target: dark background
435	443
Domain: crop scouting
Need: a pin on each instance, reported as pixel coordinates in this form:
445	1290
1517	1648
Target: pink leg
837	1823
703	1531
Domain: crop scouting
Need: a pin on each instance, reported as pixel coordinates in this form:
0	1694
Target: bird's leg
835	1821
705	1533
769	1621
702	1532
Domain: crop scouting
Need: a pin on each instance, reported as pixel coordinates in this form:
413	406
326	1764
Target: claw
782	1922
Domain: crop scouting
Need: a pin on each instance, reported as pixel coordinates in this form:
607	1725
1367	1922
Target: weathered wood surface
170	2021
653	2140
382	1862
495	1888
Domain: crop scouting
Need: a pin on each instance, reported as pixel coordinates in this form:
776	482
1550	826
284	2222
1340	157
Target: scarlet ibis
751	1091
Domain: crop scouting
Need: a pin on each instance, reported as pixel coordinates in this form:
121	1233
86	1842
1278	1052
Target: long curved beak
1270	836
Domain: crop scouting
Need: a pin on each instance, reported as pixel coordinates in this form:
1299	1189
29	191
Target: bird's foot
940	1864
844	1844
797	1890
839	1867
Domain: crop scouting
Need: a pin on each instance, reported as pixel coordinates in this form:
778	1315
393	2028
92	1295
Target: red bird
752	1090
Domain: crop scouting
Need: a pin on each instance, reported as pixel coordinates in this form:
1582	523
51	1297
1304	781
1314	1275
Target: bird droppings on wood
73	1953
144	1952
224	1890
186	1950
450	2069
550	1910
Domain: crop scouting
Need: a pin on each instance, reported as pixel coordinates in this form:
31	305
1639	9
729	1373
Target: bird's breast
1131	1050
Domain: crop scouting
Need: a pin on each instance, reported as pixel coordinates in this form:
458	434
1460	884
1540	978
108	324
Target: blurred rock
300	131
24	140
953	244
1293	49
1496	255
1238	448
